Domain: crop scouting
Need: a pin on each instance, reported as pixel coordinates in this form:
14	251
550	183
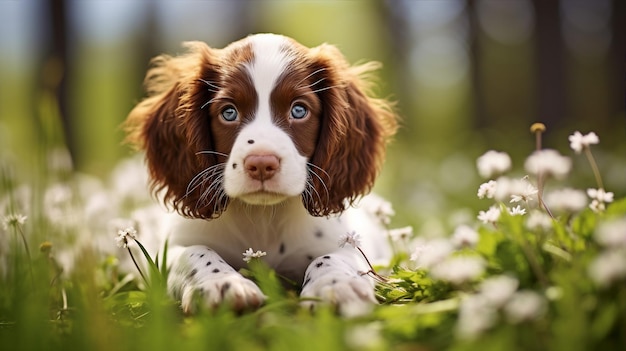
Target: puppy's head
262	120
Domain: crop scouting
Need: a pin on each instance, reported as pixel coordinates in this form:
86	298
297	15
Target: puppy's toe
231	289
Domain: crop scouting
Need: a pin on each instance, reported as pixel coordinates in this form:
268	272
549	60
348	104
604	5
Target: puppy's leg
335	278
200	274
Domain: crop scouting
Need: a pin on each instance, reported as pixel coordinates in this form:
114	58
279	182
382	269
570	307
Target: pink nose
261	167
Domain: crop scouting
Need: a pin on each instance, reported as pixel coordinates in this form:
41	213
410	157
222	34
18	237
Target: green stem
137	266
594	167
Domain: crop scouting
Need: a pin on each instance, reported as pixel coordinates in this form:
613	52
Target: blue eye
229	114
298	111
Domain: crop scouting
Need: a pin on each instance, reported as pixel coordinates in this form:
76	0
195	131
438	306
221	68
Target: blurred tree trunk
550	64
56	68
478	97
618	59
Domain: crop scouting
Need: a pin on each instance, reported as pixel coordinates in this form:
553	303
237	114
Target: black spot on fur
334	281
306	282
224	289
216	270
192	273
319	264
201	255
208	263
326	257
319	234
234	165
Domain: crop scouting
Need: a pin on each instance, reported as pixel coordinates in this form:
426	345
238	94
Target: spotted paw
228	288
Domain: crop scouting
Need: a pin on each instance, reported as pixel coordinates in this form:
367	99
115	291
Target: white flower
600	195
518	189
608	267
351	238
378	207
538	220
548	162
476	315
612	234
525	306
578	141
598	199
400	234
464	236
13	220
524	191
428	253
124	236
597	206
517	211
489	216
249	254
493	163
566	200
498	289
458	270
487	190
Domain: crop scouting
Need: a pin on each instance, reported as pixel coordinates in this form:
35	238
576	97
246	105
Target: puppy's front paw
201	278
228	288
350	292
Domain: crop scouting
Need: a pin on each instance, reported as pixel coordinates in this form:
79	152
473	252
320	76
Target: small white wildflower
458	270
464	236
378	207
525	193
517	211
578	141
525	306
608	267
428	253
401	234
487	190
548	162
351	238
600	195
124	236
538	220
612	234
493	163
597	206
249	254
566	200
499	289
489	216
476	316
13	220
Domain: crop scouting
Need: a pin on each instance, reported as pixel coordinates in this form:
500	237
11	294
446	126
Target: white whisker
211	152
312	84
322	89
311	74
209	83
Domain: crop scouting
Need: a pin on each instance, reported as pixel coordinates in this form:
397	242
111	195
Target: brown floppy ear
354	131
166	125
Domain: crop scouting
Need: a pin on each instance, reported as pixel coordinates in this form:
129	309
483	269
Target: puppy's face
265	116
261	120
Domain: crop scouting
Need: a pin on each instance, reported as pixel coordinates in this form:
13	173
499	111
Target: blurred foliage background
468	75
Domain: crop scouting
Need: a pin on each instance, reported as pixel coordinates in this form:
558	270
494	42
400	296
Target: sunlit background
468	76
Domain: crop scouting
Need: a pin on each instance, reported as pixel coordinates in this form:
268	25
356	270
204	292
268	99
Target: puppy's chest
289	245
